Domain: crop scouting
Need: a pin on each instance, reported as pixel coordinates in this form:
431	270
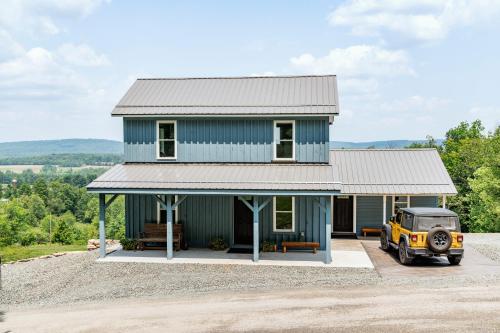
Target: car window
426	223
407	222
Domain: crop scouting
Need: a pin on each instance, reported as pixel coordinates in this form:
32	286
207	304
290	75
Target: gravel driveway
77	277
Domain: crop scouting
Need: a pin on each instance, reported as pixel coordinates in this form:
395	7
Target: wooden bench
300	245
366	230
157	233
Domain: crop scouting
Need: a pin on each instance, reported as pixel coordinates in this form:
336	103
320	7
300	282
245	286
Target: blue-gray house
248	159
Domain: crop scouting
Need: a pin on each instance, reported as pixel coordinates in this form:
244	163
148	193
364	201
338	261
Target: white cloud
355	61
416	105
419	19
40	16
82	55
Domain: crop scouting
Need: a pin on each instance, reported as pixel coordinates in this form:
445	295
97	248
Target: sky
405	69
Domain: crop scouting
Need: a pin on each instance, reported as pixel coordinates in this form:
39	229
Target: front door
243	219
342	213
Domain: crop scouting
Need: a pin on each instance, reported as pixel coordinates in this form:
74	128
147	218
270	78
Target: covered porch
256	187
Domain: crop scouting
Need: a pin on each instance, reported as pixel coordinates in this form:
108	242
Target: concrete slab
345	253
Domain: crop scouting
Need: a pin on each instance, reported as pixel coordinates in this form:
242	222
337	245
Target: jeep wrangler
423	232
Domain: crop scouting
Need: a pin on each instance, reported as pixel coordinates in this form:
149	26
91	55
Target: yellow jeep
423	232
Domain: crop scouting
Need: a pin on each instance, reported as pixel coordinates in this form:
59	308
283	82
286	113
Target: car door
396	228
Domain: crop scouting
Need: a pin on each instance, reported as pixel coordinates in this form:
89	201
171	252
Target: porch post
384	209
170	247
444	201
255	229
328	232
102	229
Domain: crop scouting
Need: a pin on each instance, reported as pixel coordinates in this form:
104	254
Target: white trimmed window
284	214
166	134
400	201
161	213
284	139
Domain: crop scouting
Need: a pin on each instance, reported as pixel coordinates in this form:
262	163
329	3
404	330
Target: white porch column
384	209
354	209
444	201
102	229
255	229
170	238
328	231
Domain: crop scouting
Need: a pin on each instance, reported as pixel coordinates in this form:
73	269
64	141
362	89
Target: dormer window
166	145
284	140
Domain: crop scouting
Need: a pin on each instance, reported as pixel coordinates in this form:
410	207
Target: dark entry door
342	213
243	219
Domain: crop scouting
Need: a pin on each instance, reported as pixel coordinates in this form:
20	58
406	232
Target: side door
396	228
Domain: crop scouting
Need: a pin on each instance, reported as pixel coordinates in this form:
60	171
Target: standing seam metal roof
306	95
166	176
392	171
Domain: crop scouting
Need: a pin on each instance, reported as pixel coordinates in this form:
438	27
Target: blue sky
405	68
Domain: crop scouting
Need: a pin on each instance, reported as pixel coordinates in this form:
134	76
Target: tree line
54	207
472	159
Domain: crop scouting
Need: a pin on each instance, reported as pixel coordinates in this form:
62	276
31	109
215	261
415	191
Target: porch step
344	234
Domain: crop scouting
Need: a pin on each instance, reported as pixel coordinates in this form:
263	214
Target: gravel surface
77	277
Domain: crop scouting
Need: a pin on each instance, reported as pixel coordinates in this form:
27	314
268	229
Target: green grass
17	252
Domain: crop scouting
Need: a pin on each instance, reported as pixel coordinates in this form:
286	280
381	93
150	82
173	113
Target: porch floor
345	253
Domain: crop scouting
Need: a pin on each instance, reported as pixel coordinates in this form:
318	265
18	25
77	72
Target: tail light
414	238
460	238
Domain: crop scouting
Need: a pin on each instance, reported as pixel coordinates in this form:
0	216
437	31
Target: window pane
284	221
284	204
286	131
166	131
167	148
284	149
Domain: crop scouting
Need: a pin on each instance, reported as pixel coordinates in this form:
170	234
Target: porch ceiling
256	179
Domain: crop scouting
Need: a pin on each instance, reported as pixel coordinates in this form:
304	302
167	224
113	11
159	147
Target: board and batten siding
369	211
225	140
206	217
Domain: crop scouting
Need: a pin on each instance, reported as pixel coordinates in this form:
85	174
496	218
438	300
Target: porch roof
392	171
256	179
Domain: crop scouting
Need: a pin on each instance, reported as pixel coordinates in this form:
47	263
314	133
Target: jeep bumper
427	252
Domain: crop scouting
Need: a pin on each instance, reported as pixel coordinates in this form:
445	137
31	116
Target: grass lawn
17	252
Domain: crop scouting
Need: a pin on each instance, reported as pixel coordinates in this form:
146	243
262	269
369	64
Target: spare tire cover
439	239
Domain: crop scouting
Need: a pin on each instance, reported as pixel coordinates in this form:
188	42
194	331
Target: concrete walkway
345	253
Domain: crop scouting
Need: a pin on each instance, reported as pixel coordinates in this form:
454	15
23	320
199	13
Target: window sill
284	160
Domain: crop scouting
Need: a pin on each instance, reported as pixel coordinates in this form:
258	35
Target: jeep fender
388	230
407	240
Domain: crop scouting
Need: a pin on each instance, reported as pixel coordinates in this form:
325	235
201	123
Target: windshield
425	223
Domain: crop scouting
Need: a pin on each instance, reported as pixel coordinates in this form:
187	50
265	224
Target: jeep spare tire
439	239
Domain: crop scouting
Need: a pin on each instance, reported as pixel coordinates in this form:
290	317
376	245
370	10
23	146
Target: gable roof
231	96
391	171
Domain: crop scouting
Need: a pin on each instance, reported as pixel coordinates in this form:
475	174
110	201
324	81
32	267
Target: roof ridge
382	149
236	77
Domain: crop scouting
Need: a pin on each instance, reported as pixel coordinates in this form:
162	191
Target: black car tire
439	239
403	253
454	260
384	241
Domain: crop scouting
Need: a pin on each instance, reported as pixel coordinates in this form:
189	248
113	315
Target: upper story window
166	145
284	140
284	214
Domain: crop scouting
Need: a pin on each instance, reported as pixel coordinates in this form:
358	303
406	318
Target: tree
431	143
24	189
41	189
65	230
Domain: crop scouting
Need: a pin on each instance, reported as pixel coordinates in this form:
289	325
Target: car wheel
454	260
439	239
384	242
403	254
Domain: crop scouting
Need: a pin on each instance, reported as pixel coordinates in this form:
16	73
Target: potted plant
217	244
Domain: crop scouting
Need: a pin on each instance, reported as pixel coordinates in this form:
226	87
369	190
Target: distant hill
391	144
66	146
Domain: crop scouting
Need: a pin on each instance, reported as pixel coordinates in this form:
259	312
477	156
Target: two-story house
248	159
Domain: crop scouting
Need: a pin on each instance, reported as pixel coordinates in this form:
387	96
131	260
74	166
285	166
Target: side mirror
392	219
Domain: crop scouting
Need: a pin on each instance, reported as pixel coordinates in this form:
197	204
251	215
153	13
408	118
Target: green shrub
217	244
268	246
64	233
128	244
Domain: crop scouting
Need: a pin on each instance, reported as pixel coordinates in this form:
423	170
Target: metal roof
391	171
429	211
231	96
216	177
